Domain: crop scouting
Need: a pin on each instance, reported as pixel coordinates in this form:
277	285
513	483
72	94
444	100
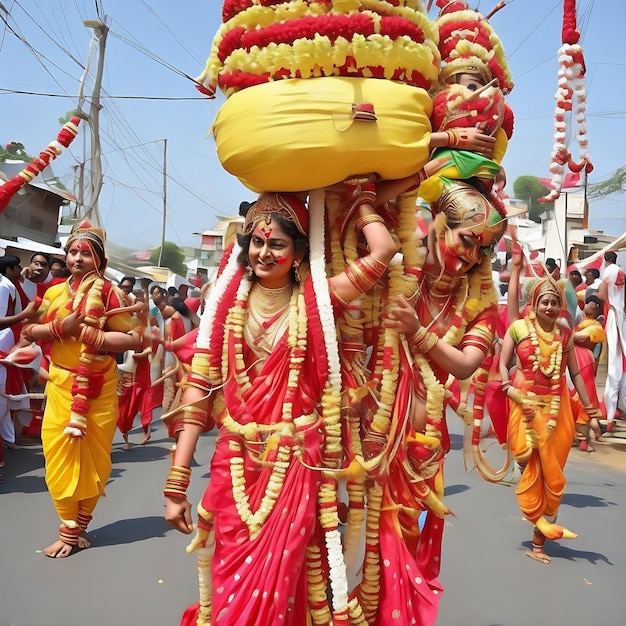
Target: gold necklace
268	302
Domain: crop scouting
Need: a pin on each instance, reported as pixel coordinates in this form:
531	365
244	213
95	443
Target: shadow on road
129	531
451	490
582	501
23	484
559	551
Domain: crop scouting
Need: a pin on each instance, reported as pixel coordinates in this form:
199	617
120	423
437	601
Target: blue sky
153	44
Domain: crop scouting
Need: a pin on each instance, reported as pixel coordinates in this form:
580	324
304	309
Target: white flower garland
215	296
337	568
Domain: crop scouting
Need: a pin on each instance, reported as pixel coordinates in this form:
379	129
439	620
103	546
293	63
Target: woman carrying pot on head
265	380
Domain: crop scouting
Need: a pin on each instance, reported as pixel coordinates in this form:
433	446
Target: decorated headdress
547	286
287	205
469	45
458	107
462	203
94	237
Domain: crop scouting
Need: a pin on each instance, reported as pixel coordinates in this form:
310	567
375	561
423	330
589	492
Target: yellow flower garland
90	290
542	346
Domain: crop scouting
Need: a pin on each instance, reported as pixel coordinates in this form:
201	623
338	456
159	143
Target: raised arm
512	301
360	275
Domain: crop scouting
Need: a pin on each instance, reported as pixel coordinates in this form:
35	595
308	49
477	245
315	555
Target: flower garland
215	296
243	54
64	138
360	56
571	82
87	384
331	403
234	327
331	400
550	343
206	361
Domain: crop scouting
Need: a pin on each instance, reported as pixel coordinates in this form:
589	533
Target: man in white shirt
611	291
10	269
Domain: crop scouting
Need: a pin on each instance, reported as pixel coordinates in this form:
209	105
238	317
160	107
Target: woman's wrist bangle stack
92	336
423	340
56	329
177	481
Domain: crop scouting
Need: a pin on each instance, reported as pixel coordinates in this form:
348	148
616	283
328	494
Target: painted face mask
468	227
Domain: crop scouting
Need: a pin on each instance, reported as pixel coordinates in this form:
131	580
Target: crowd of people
29	364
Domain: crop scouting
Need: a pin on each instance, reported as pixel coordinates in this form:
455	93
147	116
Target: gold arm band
372	218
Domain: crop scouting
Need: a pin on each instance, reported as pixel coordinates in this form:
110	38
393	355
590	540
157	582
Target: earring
296	270
249	274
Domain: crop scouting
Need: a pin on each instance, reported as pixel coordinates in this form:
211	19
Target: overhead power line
63	95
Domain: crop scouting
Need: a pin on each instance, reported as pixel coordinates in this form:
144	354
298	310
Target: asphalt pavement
137	572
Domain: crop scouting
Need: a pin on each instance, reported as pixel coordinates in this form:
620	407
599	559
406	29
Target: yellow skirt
78	468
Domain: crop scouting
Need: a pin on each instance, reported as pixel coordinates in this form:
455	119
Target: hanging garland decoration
571	81
64	139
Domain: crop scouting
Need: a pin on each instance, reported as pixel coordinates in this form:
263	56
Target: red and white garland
571	83
52	151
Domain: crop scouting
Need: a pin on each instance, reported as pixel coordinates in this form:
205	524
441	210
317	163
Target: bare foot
538	554
126	447
83	540
58	550
145	439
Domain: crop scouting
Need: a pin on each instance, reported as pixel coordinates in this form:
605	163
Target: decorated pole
38	165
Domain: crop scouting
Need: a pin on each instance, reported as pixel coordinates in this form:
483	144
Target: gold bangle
92	336
371	218
177	481
423	340
365	272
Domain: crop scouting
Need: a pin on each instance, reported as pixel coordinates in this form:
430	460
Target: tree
530	189
173	258
68	116
14	151
616	183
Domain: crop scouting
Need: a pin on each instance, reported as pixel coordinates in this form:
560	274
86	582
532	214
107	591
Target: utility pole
164	199
100	31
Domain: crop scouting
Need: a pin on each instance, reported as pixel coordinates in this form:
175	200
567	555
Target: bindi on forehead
266	228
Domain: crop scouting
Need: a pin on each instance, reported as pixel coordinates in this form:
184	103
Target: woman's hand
178	514
402	317
517	256
31	310
72	325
